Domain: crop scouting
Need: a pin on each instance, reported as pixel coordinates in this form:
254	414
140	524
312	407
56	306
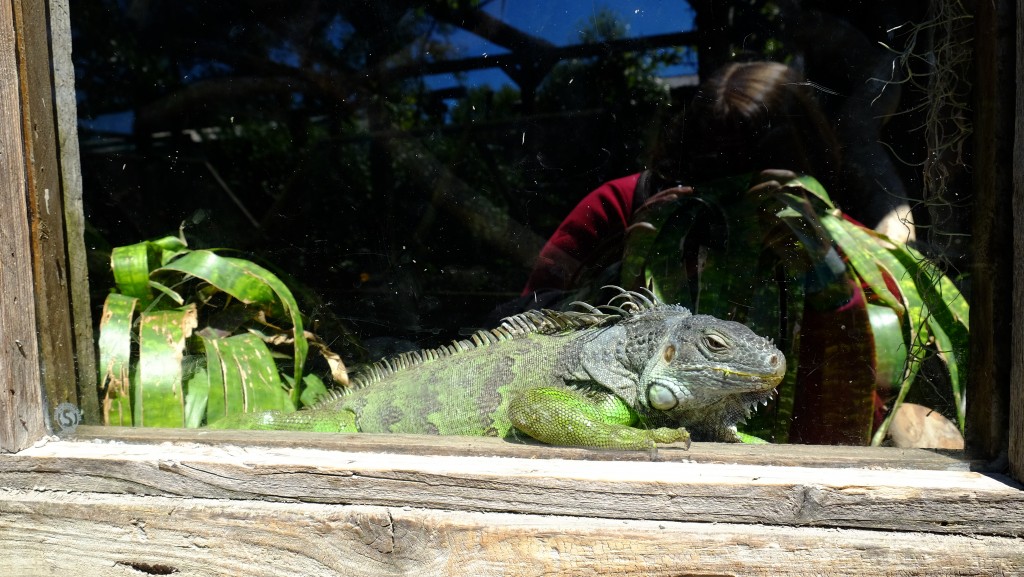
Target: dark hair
747	117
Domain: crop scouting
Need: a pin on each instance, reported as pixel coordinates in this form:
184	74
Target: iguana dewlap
626	376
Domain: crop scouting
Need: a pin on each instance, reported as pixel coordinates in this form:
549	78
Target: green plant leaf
227	274
890	348
170	247
131	265
252	284
948	321
946	293
875	254
197	393
927	302
688	251
731	269
865	256
291	308
313	390
159	400
813	188
243	377
115	358
219	396
171	293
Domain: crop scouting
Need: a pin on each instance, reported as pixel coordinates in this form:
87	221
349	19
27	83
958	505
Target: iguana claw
669	435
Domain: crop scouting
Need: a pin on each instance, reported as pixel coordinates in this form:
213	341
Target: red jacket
601	217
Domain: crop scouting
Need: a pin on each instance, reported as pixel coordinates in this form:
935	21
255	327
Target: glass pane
413	173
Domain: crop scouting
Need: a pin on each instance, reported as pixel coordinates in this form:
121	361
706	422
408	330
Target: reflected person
747	118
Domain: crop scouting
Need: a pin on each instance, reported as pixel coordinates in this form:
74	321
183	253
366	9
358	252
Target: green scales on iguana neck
626	375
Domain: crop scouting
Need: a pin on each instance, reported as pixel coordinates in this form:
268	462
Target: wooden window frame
112	500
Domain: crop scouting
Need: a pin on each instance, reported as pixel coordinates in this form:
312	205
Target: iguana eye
669	353
715	343
661	398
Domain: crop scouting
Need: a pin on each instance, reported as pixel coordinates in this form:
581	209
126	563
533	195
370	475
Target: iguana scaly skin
627	375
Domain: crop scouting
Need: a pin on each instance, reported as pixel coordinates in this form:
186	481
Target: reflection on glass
384	178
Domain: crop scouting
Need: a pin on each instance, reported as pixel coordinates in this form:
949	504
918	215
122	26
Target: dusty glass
415	172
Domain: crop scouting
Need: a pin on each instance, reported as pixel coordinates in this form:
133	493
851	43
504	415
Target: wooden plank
55	533
65	105
954	502
21	417
725	453
988	398
46	205
1016	451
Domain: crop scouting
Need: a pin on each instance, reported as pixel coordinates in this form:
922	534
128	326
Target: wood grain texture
988	397
46	206
21	417
55	533
952	502
723	453
65	106
1016	451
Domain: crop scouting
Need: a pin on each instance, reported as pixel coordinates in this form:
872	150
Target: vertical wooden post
66	108
1016	453
22	422
46	201
992	287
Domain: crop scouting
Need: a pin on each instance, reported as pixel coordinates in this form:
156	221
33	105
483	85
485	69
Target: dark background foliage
306	135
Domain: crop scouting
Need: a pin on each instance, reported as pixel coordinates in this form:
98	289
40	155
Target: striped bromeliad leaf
115	344
727	253
133	263
251	284
159	397
242	377
932	310
156	373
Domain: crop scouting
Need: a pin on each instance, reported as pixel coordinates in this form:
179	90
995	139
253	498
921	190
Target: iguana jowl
627	375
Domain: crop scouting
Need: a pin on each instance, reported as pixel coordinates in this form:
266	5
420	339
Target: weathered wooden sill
120	501
723	453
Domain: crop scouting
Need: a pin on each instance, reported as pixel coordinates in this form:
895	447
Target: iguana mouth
763	381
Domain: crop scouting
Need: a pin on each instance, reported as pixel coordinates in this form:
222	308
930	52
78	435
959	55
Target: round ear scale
661	398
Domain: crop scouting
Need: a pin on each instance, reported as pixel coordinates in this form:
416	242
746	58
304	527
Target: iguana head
678	369
701	362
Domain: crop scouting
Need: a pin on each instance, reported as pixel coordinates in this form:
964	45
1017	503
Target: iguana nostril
774	360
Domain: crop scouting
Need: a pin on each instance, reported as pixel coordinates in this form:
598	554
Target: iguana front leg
567	417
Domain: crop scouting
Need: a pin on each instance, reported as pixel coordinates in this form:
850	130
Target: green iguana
625	375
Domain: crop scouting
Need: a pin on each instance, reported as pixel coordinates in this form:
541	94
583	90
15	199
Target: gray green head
700	360
679	369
